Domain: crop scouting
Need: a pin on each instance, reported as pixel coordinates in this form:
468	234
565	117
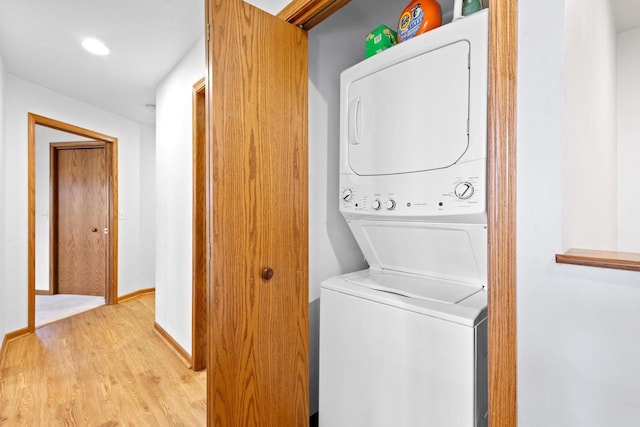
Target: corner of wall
173	195
590	179
3	243
147	204
628	109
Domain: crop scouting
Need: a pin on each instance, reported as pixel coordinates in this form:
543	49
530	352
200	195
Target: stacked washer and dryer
404	343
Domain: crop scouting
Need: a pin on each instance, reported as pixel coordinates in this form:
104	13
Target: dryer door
411	116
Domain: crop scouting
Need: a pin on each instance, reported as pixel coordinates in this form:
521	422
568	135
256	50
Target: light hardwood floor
104	367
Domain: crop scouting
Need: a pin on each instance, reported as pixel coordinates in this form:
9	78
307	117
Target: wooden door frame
199	232
111	147
54	148
501	209
501	203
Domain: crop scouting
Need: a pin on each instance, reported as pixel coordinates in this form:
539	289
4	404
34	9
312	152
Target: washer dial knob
464	190
391	204
347	195
376	204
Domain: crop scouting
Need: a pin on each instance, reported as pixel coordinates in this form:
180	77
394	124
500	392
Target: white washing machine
404	343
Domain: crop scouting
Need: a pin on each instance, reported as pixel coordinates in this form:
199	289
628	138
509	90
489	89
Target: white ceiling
40	42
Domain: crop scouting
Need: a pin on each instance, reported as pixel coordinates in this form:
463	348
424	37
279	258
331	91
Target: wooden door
81	218
258	293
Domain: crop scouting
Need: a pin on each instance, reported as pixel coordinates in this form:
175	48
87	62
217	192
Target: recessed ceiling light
95	46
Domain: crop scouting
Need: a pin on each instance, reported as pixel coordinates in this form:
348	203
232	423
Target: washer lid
421	288
450	251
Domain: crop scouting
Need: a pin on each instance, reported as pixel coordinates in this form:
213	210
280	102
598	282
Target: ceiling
40	42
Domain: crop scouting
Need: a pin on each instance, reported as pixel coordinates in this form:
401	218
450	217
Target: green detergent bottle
470	6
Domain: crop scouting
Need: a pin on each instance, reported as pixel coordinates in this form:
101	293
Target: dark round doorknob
94	230
267	273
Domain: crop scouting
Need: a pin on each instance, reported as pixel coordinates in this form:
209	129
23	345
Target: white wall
21	98
590	190
45	136
628	137
577	326
174	195
148	206
3	203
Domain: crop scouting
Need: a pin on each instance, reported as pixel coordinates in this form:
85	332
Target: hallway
106	366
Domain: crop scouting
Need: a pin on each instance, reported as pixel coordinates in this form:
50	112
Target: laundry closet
338	44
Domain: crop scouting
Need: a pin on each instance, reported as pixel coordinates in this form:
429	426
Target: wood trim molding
604	259
53	220
31	223
173	343
199	231
10	336
307	14
501	150
76	144
132	295
111	145
69	128
112	272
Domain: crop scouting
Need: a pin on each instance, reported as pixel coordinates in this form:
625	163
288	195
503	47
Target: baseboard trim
10	336
126	297
43	292
173	343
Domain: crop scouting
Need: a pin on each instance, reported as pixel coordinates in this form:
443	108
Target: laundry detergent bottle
470	6
419	17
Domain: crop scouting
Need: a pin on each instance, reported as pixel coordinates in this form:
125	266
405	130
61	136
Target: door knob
267	273
94	230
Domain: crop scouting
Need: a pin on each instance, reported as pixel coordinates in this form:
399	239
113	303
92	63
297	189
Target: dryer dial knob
347	195
464	190
391	204
376	204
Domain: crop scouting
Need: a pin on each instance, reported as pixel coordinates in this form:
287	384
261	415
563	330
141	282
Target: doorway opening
103	150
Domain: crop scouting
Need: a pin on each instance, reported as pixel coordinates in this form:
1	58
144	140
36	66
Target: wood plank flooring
104	367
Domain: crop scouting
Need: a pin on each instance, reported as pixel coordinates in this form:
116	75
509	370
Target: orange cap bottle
419	17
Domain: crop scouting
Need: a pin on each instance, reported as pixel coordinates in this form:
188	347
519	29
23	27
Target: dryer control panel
462	198
450	192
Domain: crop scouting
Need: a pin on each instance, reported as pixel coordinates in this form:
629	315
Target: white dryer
404	342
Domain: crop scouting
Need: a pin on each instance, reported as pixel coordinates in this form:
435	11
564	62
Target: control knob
391	204
464	190
376	204
347	195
